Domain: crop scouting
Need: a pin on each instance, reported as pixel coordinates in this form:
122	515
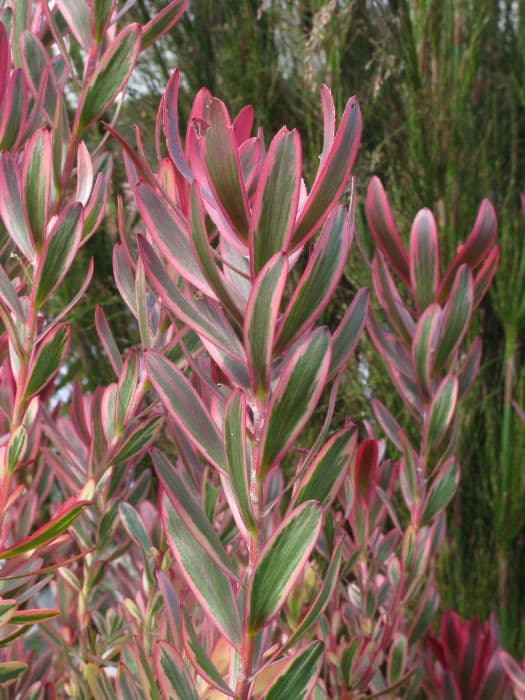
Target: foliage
193	539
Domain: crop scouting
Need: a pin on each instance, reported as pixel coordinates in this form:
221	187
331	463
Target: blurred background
441	86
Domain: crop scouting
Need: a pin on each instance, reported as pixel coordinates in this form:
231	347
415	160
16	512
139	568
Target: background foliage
441	87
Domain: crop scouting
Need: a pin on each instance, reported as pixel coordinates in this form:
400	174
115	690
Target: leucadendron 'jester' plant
300	574
62	67
232	540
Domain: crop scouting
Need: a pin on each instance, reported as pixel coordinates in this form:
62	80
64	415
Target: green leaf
47	359
9	297
297	679
323	477
37	177
236	448
11	209
127	385
295	397
76	14
205	258
200	659
322	599
16	447
397	657
443	488
455	317
102	10
191	512
29	617
262	311
10	672
172	674
139	438
422	347
7	609
134	526
209	584
185	407
111	75
281	563
224	169
316	285
48	532
60	248
276	198
162	22
424	258
333	174
440	413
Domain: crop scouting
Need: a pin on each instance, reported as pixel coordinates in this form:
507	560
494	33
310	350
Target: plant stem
254	546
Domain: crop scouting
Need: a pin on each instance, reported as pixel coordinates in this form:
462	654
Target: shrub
251	561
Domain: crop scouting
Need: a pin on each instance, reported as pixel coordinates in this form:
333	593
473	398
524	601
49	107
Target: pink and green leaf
475	249
37	177
455	317
204	255
16	447
137	439
127	386
200	660
323	478
60	522
236	450
101	13
9	297
332	176
47	359
204	319
111	75
317	283
134	526
297	679
276	199
424	259
58	253
162	22
322	599
389	298
30	617
108	340
423	347
469	368
440	413
170	122
14	111
224	170
167	229
348	332
281	562
209	583
76	14
190	512
386	420
485	275
442	490
384	230
186	408
295	397
12	210
172	673
261	319
10	672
